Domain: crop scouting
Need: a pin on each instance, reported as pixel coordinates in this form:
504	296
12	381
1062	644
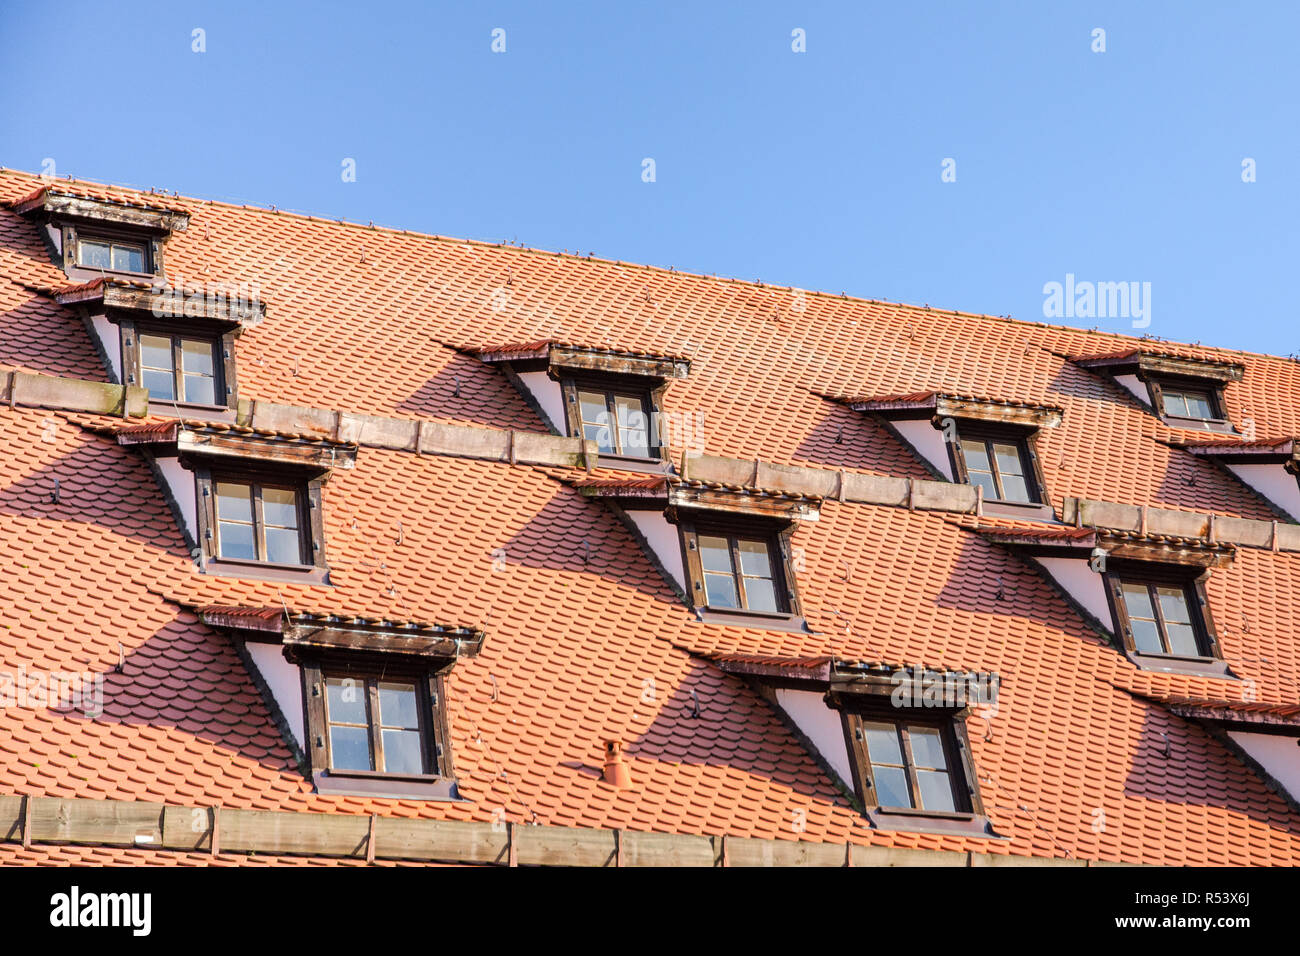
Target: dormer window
1188	402
369	710
1271	466
180	368
999	461
181	347
97	236
257	521
1186	392
618	421
1148	590
112	255
736	561
1159	611
991	444
740	571
255	506
608	396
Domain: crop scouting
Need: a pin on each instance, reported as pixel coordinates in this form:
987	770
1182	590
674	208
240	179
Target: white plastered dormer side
664	539
546	392
1272	481
110	341
1278	754
928	441
181	487
1136	386
1077	579
821	725
284	680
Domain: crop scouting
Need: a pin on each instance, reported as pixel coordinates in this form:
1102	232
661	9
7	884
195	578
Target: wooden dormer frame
1159	371
325	647
640	375
959	416
79	217
138	307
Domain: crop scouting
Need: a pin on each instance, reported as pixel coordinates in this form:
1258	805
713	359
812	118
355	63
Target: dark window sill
263	571
1025	510
652	465
930	821
1199	424
216	413
363	783
763	620
1195	666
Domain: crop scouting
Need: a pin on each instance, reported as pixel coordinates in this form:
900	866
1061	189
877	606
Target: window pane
95	255
1173	605
200	389
402	751
936	790
1138	601
927	747
350	748
882	743
161	385
1146	637
128	258
1182	640
720	590
397	706
891	787
755	558
283	546
236	541
977	456
196	357
280	507
346	698
984	480
1014	488
1008	459
715	554
1174	403
156	352
595	420
633	429
235	521
760	594
1198	405
234	502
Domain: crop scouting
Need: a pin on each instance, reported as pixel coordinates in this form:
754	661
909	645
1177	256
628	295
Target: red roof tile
587	640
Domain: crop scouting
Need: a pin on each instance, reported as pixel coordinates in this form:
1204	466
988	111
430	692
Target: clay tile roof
165	431
582	616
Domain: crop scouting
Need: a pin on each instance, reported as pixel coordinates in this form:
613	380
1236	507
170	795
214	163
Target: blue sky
821	169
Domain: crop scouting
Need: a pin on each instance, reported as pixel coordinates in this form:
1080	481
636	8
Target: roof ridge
667	270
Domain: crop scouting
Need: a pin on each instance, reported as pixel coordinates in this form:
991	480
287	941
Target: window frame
311	533
1025	441
222	340
74	233
1191	581
1157	385
968	817
177	338
648	392
374	729
429	676
776	533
